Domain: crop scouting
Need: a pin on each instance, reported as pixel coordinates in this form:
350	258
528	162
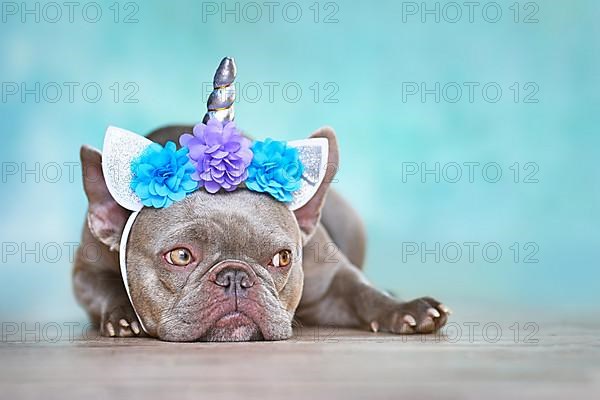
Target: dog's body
233	292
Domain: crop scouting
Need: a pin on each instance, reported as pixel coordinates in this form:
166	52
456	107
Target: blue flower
275	169
162	175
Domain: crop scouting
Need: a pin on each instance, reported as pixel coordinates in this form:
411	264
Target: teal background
171	52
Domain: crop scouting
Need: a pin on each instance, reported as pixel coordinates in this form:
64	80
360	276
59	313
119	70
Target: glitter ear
120	148
313	154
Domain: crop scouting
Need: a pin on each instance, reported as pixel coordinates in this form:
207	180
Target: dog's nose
235	280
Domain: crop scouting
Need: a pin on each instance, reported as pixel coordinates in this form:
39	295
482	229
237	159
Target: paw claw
422	315
375	326
410	320
110	329
433	312
119	320
135	327
126	332
445	309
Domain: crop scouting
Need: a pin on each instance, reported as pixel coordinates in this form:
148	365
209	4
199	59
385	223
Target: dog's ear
309	214
106	219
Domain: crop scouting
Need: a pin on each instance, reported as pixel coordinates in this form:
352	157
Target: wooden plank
317	363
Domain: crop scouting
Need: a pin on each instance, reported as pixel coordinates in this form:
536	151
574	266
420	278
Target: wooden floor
318	363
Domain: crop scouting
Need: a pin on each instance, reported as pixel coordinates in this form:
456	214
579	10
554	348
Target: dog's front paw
119	321
423	315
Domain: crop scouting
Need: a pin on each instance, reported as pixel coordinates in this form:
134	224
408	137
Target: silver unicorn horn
220	102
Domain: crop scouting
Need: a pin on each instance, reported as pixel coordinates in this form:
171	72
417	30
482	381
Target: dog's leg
96	276
345	227
99	289
336	293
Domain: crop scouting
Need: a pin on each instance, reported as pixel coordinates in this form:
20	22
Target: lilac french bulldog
234	265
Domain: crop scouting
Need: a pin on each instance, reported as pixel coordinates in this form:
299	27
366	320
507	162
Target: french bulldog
234	266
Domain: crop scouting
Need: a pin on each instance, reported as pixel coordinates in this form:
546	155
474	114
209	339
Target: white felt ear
313	155
120	148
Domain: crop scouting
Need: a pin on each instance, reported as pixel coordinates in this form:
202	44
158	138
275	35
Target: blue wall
357	75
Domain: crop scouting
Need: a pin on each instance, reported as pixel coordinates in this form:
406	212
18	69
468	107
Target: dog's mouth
233	327
233	319
220	318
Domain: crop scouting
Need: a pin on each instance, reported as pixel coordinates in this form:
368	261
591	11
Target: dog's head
214	267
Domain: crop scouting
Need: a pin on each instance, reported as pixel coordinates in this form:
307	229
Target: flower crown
215	157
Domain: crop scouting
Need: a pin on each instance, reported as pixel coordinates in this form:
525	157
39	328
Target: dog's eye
179	257
282	259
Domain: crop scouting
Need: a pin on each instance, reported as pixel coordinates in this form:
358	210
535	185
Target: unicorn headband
215	157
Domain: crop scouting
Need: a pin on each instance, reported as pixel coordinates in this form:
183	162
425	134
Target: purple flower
220	154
